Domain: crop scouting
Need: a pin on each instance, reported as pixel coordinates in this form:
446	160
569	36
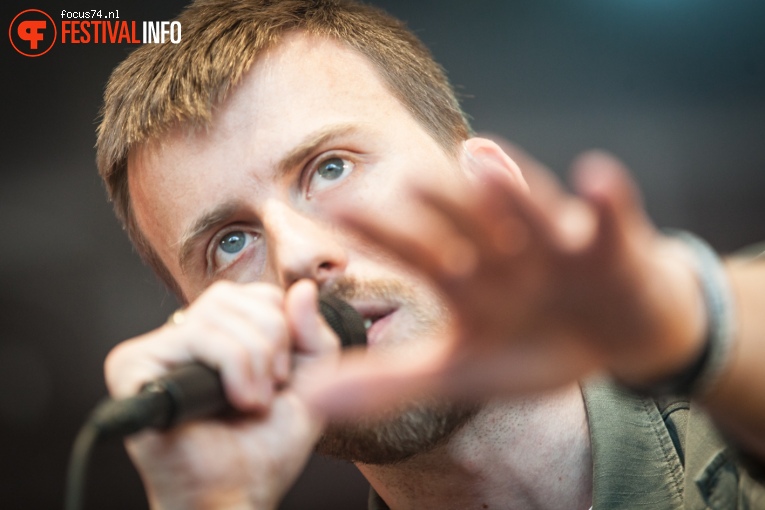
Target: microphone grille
344	320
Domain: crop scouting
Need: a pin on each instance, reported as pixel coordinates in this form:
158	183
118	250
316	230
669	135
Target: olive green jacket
657	455
661	454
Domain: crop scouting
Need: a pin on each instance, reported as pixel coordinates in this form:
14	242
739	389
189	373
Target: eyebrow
200	227
221	213
303	150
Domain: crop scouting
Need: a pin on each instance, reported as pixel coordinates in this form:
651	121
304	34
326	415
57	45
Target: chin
396	437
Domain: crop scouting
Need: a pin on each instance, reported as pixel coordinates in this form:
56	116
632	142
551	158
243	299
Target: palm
545	287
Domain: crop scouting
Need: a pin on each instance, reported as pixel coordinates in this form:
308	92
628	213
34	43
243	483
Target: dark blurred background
674	87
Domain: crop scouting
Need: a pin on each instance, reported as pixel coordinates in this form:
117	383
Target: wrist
699	359
665	323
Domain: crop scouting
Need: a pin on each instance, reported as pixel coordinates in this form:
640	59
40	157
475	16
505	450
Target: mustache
350	288
424	313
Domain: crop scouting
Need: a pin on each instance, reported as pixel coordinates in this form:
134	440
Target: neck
531	454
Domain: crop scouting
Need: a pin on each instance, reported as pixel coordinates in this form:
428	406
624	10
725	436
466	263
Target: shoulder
670	442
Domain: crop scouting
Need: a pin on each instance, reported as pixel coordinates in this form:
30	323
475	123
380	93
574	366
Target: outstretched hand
545	286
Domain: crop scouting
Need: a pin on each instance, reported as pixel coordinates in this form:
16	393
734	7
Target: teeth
367	323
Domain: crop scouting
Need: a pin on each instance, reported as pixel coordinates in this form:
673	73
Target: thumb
312	337
365	382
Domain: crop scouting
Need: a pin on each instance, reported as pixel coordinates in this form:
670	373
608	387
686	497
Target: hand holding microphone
195	390
256	345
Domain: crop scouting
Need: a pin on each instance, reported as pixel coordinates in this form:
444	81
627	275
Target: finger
605	182
484	219
259	304
243	369
436	252
265	351
224	329
312	336
574	218
254	315
127	368
136	362
316	346
365	383
537	217
542	182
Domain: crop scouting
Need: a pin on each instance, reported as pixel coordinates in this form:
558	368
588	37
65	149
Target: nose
300	246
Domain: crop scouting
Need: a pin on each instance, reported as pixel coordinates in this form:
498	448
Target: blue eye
233	242
330	172
331	169
231	247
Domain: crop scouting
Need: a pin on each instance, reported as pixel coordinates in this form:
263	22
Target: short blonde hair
160	86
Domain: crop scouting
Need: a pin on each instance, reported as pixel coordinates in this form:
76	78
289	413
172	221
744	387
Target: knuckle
202	321
219	288
267	292
115	359
123	368
234	354
273	334
273	323
239	353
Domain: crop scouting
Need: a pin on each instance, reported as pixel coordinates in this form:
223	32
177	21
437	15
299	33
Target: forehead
296	89
302	84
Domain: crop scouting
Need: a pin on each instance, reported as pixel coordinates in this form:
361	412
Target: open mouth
375	318
369	321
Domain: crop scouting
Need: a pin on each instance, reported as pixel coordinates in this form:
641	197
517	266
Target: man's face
311	125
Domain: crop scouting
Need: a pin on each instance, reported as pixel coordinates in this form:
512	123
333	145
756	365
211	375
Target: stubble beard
411	429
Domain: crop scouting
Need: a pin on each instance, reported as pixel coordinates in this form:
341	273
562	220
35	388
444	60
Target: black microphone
196	391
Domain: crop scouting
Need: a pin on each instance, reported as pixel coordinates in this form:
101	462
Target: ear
481	156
